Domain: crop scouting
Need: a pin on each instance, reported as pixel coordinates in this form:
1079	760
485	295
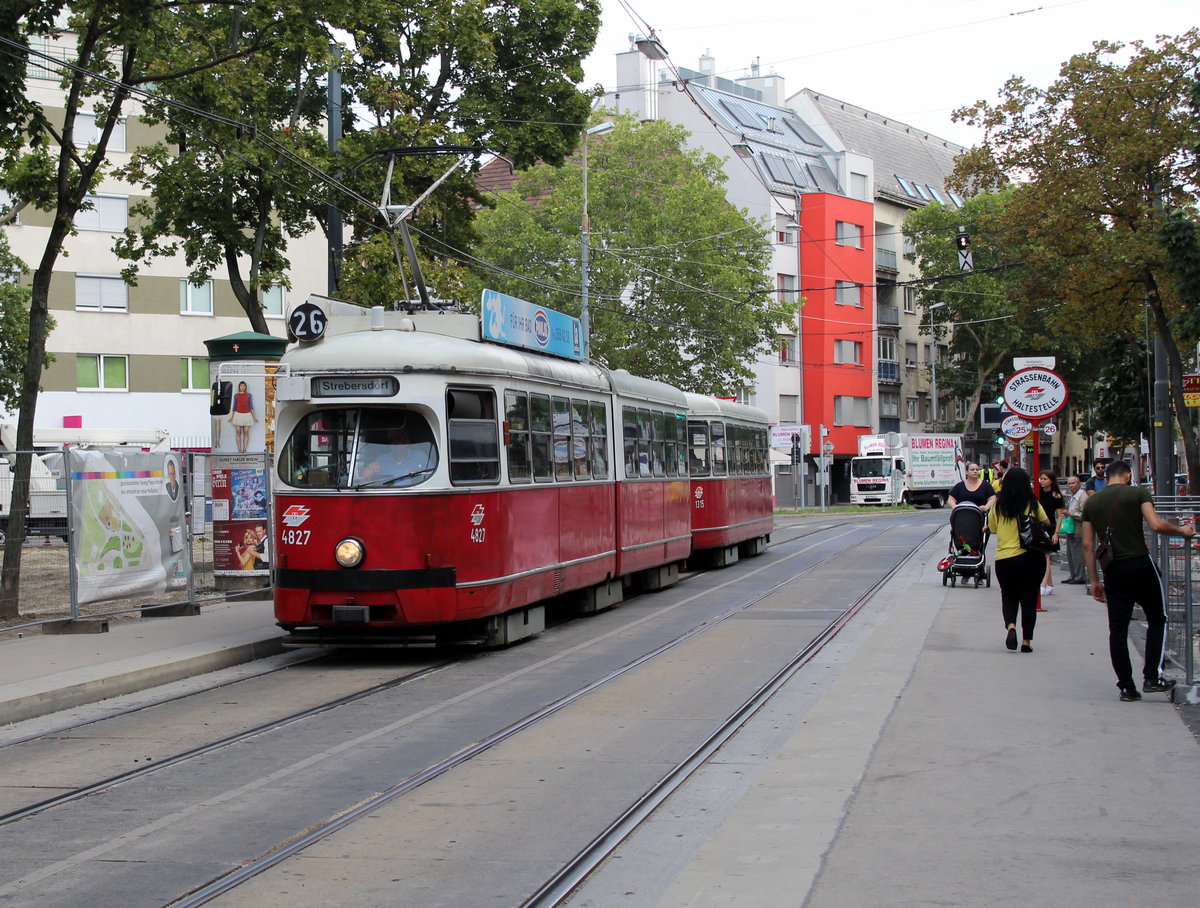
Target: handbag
1068	526
1104	551
1034	536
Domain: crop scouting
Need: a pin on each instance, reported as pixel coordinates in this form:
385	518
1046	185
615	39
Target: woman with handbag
1019	570
1053	503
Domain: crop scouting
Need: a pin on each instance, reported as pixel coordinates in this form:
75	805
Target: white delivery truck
905	469
47	514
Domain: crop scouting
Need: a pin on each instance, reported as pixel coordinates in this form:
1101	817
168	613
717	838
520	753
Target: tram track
71	727
202	750
175	759
561	885
347	817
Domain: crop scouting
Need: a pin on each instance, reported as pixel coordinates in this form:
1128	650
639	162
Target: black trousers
1130	582
1020	579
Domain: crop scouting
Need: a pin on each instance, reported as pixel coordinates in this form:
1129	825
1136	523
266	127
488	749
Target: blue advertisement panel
518	323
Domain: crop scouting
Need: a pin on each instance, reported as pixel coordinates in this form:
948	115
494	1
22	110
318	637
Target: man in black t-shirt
1131	579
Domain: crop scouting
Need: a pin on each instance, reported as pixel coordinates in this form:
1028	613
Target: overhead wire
14	48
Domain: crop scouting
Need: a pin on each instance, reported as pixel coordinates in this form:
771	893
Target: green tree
678	288
112	47
14	325
1097	158
412	74
1121	389
992	321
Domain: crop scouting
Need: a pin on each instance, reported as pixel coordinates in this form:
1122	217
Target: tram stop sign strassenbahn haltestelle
1035	394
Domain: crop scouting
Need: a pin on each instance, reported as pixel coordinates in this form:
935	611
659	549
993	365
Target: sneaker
1128	694
1043	590
1161	686
1049	591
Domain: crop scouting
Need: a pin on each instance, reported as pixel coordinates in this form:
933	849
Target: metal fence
46	594
1179	563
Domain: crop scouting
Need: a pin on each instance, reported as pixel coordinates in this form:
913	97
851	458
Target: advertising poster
128	515
240	514
249	426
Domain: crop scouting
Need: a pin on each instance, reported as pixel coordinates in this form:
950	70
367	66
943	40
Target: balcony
888	316
886	259
889	371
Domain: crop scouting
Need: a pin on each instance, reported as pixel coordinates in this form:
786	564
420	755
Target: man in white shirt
1076	496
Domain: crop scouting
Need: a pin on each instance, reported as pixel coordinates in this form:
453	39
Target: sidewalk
41	674
942	769
938	768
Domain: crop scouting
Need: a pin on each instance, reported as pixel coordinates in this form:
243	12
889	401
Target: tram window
645	434
580	439
516	436
599	441
676	465
698	448
396	449
681	442
317	453
659	444
717	431
542	425
562	437
473	435
629	431
734	452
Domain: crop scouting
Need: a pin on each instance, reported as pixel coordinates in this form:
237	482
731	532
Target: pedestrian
1096	481
1018	571
1115	514
1070	529
1051	500
974	489
1001	469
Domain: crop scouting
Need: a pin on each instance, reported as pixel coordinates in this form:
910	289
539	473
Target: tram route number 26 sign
1035	394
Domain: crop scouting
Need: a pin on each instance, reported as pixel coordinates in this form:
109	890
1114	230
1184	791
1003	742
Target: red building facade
837	321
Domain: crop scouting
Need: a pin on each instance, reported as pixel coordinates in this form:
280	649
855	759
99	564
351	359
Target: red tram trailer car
431	484
732	501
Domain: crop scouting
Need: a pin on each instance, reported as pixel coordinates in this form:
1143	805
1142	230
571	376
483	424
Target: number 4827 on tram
434	486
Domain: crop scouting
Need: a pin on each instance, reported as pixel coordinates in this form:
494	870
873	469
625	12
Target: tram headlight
349	552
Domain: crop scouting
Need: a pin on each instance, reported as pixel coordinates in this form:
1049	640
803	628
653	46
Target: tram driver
398	461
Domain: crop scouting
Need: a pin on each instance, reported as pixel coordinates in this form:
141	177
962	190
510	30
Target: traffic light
962	240
1000	388
999	440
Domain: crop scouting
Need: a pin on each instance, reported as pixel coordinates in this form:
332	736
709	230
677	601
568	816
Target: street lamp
933	415
584	315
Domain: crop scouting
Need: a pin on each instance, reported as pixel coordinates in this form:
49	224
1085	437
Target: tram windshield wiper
391	480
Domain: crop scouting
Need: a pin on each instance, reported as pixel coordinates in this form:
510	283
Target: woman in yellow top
1018	571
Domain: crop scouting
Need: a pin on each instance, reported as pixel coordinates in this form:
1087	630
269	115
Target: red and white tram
732	503
431	484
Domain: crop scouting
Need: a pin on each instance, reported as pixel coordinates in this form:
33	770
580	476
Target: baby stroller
968	542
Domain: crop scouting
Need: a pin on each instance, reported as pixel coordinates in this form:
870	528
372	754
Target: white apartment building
134	356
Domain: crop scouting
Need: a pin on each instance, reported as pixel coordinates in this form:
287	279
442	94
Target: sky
912	60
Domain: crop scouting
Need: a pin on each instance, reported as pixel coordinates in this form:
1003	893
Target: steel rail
58	730
568	879
285	850
273	725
